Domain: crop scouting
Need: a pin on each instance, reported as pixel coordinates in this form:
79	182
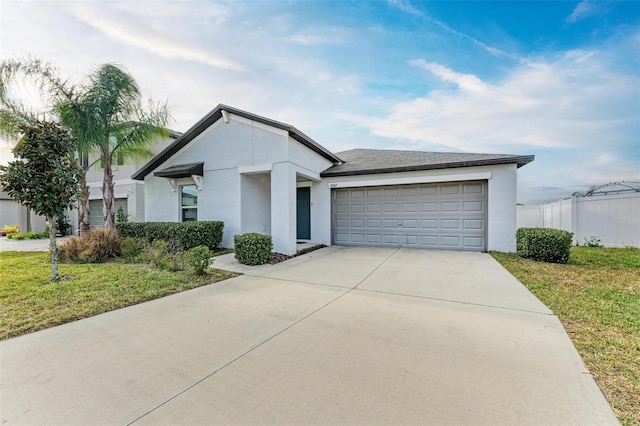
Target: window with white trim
189	203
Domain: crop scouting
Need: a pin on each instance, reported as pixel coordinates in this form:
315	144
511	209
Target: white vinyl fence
614	219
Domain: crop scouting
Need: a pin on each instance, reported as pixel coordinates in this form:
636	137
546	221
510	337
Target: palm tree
53	92
105	115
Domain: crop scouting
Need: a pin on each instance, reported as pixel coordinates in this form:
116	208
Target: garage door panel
450	189
472	224
450	206
357	223
450	224
409	207
473	206
445	216
342	223
429	223
451	241
473	188
473	243
430	241
409	192
429	191
374	238
374	223
429	207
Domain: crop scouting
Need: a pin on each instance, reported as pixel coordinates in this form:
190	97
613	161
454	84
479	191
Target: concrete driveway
338	336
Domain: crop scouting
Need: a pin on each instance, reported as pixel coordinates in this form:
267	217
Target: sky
556	79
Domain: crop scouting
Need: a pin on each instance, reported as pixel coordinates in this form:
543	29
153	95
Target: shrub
186	234
133	249
28	235
10	229
165	256
544	244
592	242
93	247
252	248
121	216
70	251
199	259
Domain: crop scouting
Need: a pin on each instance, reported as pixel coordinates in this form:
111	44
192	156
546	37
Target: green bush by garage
544	244
252	248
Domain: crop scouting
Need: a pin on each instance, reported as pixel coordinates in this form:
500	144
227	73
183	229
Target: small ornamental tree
44	176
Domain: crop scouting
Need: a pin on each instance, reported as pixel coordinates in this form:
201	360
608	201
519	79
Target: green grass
29	301
597	298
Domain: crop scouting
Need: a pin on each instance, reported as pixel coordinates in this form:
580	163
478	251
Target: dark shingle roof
371	161
215	115
182	170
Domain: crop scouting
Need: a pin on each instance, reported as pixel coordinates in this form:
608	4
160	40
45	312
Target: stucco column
283	208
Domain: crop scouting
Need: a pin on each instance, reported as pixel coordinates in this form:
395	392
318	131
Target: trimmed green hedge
252	248
544	244
186	235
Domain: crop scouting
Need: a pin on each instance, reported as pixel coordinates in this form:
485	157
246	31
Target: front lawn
29	301
597	298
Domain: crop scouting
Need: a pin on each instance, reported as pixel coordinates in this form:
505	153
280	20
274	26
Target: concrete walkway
41	244
337	336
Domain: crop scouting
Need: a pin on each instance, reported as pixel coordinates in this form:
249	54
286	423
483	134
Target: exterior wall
501	202
256	203
246	200
614	219
13	213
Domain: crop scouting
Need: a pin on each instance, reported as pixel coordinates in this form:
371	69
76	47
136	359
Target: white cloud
577	110
466	82
575	101
585	9
156	42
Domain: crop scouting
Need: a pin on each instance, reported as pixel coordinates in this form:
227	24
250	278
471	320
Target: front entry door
303	213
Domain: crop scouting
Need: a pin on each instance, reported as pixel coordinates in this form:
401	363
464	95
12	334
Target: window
189	203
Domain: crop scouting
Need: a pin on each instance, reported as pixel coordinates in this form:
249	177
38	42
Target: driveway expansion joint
456	301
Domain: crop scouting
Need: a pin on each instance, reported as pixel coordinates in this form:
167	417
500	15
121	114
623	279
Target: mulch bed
279	257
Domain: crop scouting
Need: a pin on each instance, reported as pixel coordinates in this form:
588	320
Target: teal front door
303	213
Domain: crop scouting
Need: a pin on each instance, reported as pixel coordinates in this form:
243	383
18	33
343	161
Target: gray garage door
96	219
440	216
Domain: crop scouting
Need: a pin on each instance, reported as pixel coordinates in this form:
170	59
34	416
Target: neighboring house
13	213
259	175
129	193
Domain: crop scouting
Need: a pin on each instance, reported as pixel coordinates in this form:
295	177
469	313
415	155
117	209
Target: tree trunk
84	212
107	194
53	248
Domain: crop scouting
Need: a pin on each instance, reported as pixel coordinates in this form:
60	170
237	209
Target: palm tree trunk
84	212
107	194
53	248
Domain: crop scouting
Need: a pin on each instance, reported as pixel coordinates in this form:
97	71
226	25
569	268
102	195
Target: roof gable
217	114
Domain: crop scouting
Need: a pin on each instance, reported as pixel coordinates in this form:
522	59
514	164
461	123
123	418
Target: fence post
574	218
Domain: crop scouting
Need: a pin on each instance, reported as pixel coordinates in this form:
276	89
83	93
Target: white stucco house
260	175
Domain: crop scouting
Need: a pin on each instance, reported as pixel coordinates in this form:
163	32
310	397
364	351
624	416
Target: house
260	175
13	213
129	195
